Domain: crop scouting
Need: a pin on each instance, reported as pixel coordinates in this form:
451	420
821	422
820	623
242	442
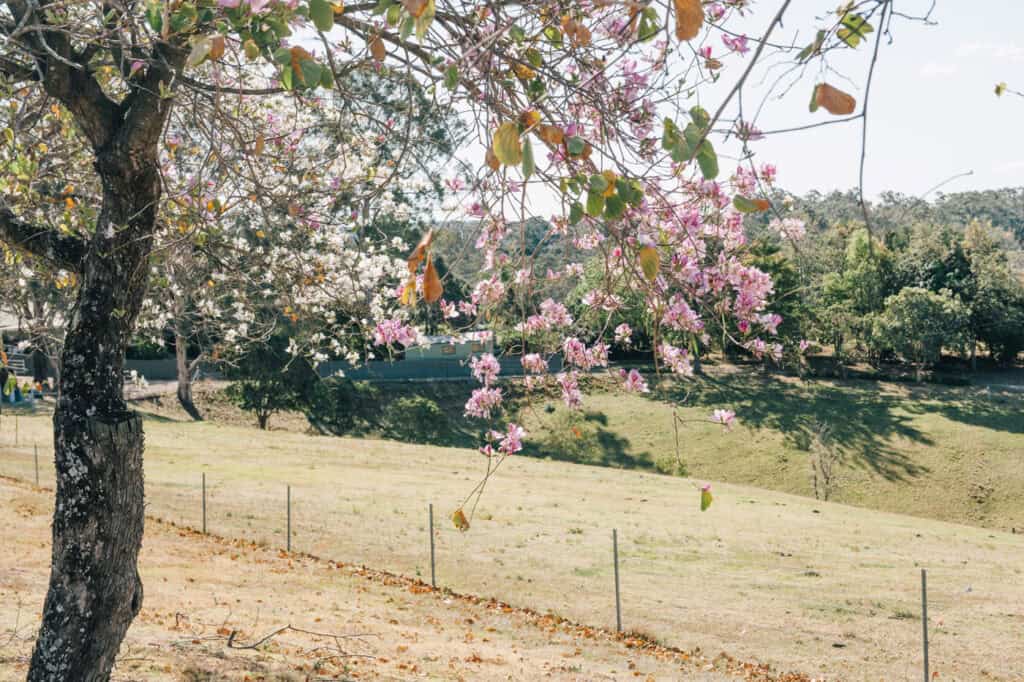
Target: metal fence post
204	503
433	575
289	541
36	450
924	619
618	601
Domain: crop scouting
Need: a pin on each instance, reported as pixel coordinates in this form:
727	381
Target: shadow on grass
861	420
585	439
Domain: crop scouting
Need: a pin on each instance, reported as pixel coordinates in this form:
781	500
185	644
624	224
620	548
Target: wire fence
676	588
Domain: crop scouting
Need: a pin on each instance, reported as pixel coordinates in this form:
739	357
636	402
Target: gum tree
598	102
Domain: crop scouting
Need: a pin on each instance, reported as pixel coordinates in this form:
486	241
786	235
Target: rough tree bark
184	372
94	590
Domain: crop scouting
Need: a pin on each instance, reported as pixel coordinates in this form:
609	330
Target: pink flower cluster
393	331
578	355
724	417
633	381
533	363
681	316
571	395
678	359
485	368
483	402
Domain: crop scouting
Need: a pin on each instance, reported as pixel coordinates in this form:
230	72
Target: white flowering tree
609	109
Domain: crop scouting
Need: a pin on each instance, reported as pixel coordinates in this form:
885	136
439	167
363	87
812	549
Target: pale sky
932	110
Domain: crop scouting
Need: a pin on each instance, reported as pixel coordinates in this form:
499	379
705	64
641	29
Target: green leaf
707	160
705	499
322	14
326	78
598	183
854	28
614	207
814	99
575	145
553	35
813	48
700	117
575	213
183	19
451	77
287	79
528	163
649	25
384	6
155	15
200	51
517	34
595	203
407	27
311	73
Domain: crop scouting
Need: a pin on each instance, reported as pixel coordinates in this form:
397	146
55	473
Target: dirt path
202	592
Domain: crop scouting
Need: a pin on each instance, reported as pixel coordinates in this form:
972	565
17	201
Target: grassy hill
816	587
949	453
954	453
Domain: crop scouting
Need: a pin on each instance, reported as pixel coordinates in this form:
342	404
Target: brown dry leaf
420	252
377	49
689	18
260	143
432	287
492	160
460	520
553	135
834	100
415	7
298	56
216	47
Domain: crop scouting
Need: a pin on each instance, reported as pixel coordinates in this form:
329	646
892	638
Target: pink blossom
483	401
568	382
622	334
454	184
681	316
737	44
393	331
534	363
678	359
724	417
804	345
633	381
485	368
513	440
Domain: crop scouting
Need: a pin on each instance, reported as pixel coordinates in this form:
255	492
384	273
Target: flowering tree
597	101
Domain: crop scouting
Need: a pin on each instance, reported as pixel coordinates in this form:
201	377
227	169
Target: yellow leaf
506	145
689	18
610	177
650	262
835	101
409	292
460	520
529	118
432	287
261	234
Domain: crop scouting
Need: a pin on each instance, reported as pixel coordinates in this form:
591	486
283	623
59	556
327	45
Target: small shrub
415	419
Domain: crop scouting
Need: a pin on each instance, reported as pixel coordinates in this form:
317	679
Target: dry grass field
825	589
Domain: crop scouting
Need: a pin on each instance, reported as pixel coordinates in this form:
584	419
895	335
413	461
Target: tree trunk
184	375
95	591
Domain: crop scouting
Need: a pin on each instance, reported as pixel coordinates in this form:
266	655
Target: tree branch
63	250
